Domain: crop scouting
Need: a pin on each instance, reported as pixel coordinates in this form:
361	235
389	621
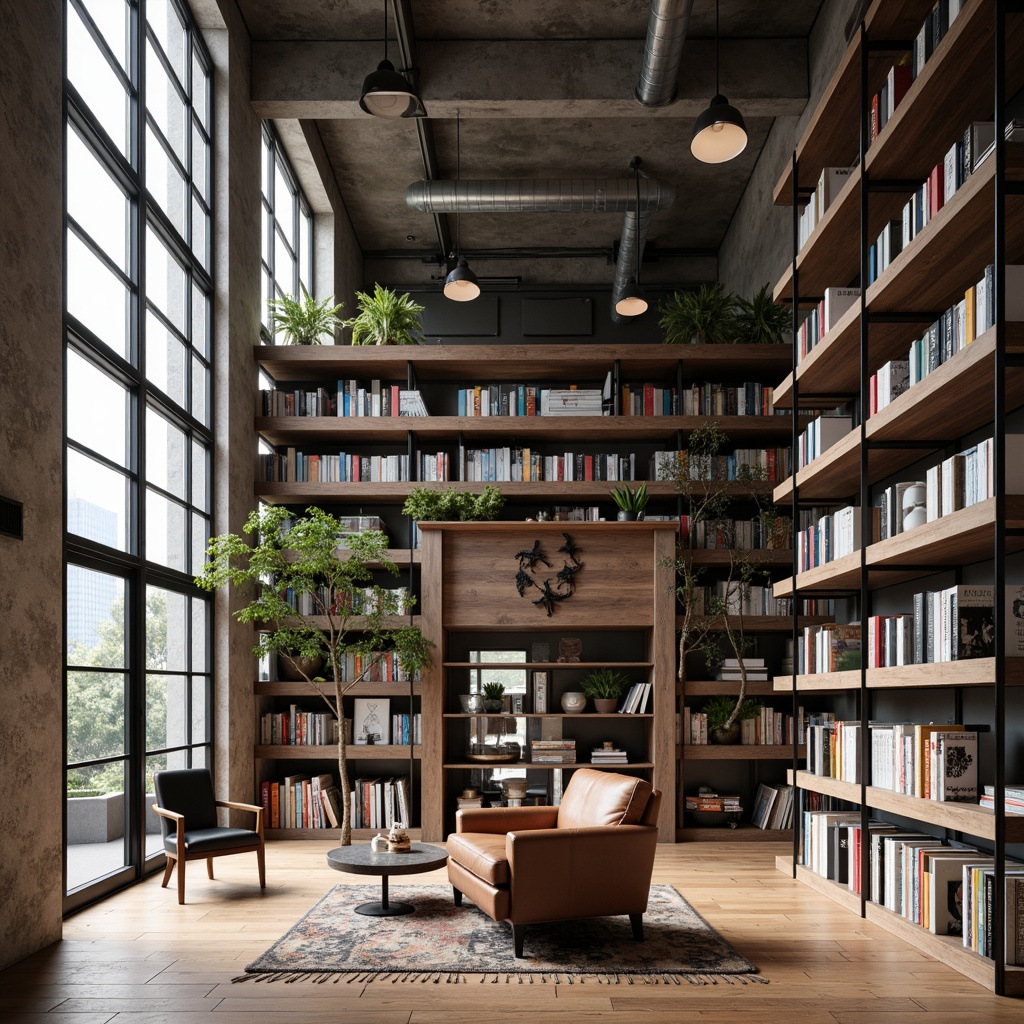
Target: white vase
914	510
573	702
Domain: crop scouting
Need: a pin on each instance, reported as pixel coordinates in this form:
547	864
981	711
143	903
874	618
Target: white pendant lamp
719	133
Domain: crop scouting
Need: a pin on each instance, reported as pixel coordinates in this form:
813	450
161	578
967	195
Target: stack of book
730	671
606	755
1013	798
706	800
469	801
553	751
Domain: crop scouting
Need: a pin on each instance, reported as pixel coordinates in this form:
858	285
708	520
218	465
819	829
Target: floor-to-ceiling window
139	442
287	223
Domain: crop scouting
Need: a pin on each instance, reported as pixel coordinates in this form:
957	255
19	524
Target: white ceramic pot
573	702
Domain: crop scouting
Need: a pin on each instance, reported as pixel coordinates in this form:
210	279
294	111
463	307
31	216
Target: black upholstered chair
188	820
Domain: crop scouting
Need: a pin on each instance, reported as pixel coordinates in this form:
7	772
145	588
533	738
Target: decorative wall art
552	589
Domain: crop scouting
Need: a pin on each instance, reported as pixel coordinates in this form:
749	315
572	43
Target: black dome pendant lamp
719	133
461	284
387	92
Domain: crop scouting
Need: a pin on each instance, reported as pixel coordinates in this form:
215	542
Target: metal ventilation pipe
663	52
555	195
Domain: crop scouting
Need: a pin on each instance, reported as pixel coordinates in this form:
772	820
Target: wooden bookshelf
354	752
742	752
941	675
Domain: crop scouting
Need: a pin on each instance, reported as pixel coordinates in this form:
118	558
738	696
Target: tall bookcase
438	372
967	78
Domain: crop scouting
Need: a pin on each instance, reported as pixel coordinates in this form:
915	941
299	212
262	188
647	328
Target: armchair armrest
256	809
179	832
171	815
498	820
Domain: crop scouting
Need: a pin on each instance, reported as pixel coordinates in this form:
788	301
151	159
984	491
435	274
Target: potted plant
430	505
631	502
385	318
494	694
706	316
304	321
297	557
604	686
725	714
761	320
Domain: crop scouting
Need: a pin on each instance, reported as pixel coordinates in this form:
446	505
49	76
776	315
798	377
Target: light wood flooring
140	958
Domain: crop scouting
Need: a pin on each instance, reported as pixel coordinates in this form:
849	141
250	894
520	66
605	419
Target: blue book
462	401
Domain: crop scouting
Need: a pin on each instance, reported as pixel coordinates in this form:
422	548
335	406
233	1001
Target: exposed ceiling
544	89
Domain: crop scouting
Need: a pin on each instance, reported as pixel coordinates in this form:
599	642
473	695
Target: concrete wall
31	442
759	243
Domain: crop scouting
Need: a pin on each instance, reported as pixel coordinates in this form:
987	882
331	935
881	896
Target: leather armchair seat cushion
209	840
597	798
482	854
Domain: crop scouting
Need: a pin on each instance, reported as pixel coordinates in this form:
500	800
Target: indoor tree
294	561
712	619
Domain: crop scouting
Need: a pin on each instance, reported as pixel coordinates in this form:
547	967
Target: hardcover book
955	768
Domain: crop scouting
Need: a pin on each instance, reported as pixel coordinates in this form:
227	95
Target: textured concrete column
236	325
31	442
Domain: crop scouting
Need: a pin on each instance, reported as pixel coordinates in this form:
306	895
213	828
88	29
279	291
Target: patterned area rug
444	943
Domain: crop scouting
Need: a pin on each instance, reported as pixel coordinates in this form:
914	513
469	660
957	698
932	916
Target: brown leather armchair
592	856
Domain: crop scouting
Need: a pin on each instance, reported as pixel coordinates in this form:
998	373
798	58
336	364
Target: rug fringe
512	977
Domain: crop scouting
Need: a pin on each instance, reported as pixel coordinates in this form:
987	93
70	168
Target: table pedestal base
385	909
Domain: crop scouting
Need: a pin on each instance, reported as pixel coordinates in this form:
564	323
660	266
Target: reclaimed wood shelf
741	752
354	752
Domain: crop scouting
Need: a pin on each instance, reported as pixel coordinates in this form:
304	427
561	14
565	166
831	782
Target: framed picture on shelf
371	720
540	691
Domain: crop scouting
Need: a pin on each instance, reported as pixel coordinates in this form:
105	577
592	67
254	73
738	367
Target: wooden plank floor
139	958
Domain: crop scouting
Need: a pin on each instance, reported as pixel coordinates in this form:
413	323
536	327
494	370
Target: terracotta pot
605	705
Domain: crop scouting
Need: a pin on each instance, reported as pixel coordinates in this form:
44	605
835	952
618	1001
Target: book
955	767
540	691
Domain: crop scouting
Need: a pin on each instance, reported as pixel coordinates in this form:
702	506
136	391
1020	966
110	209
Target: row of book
637	700
706	799
823	317
351	398
530	400
380	802
521	464
297	727
358	601
820	435
887	99
750	464
302	801
746	534
768	728
830	184
734	597
833	535
294	466
748	399
947	888
560	751
828	647
773	807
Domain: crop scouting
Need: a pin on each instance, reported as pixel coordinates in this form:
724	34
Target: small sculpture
398	839
379	843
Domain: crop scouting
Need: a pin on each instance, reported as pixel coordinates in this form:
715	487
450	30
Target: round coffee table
363	860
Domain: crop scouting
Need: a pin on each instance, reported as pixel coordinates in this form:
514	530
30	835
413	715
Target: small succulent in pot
631	501
494	694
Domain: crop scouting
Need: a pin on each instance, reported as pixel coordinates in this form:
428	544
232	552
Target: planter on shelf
605	705
292	669
726	735
472	703
494	698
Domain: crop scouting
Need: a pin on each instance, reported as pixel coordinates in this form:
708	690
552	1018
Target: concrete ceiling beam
533	79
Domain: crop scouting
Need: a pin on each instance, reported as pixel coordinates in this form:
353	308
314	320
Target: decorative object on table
446	944
398	839
494	694
570	648
299	551
604	686
379	843
552	590
471	703
573	702
914	506
631	502
371	720
515	792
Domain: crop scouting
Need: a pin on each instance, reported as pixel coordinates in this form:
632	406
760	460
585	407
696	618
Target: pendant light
461	284
387	92
632	301
719	133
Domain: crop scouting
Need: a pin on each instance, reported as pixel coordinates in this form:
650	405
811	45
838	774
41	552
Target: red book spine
936	190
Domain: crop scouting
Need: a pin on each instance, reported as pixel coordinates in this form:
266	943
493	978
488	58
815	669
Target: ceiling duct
663	52
556	195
